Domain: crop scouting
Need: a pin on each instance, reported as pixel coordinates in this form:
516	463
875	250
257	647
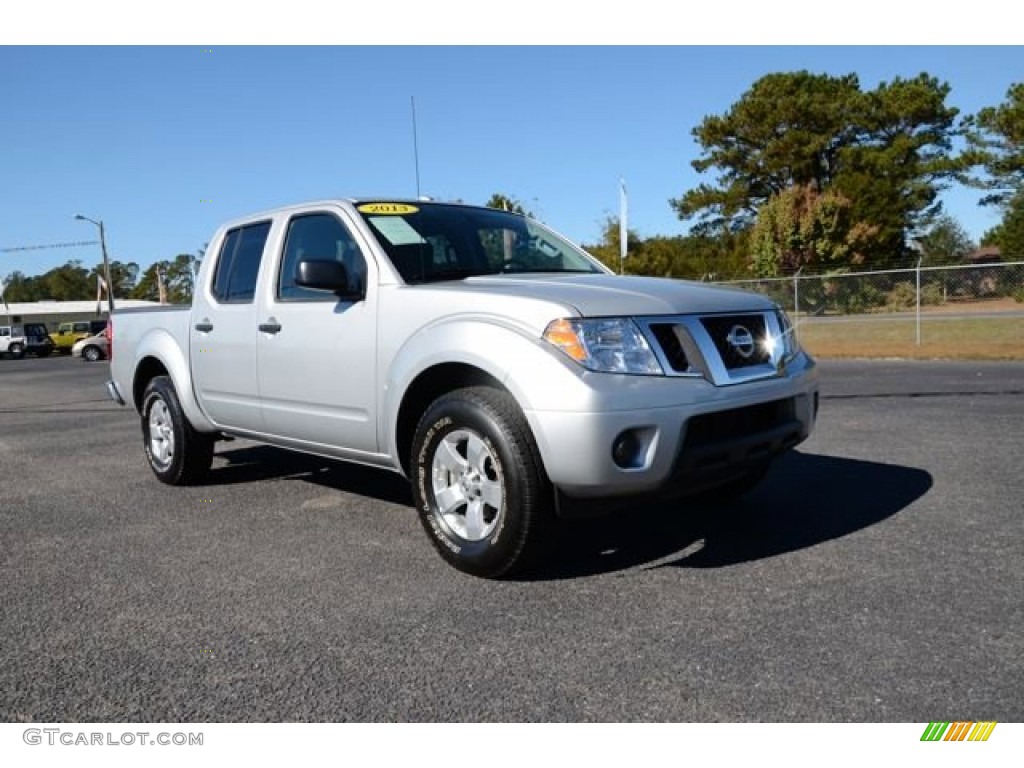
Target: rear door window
238	265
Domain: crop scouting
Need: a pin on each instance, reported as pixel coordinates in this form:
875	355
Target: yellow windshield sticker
390	209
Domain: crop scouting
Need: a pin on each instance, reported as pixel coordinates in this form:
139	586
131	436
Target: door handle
204	327
271	326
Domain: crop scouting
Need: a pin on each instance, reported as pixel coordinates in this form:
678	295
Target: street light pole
106	260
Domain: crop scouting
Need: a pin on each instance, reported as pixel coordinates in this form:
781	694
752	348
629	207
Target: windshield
428	242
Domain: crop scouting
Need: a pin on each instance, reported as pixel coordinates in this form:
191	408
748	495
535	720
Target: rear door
317	366
223	333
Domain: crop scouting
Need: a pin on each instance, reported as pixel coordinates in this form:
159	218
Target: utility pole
106	260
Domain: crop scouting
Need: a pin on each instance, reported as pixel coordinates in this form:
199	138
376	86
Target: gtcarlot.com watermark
57	736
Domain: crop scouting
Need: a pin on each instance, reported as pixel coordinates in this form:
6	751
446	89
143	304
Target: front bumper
114	392
688	435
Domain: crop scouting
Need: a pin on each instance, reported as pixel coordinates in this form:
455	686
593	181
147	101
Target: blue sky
164	143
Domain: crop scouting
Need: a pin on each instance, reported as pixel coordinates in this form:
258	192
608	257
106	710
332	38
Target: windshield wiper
551	270
441	275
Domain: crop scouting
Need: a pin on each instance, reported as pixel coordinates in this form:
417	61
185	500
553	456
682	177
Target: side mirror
326	275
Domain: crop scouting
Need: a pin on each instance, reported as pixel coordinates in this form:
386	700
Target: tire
177	454
17	351
91	353
43	352
479	485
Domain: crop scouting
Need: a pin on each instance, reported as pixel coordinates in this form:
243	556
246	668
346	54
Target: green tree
178	275
506	203
787	130
180	278
996	136
69	282
607	249
802	227
1009	233
20	287
946	242
122	275
904	159
147	288
693	257
888	151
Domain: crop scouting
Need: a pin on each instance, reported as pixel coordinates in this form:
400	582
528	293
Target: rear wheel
478	482
17	351
177	454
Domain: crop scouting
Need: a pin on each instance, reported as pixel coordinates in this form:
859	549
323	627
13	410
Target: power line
44	247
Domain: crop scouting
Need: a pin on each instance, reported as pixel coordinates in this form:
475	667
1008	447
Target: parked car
12	343
92	348
508	374
37	339
67	334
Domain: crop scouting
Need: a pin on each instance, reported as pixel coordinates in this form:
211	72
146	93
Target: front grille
665	333
720	446
727	332
710	428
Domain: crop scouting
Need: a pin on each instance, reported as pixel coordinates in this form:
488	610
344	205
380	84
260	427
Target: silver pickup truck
508	374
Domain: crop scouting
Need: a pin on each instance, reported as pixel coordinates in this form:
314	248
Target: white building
53	313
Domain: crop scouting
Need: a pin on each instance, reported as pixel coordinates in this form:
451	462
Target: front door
317	354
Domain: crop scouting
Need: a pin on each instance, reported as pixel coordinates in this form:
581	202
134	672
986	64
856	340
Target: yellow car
67	334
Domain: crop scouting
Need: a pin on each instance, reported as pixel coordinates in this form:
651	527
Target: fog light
625	449
634	447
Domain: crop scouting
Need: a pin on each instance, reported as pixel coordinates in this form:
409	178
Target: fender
162	346
493	344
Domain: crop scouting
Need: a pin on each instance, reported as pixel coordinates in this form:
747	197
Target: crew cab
505	372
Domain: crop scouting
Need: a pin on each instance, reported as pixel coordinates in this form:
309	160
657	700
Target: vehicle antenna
415	146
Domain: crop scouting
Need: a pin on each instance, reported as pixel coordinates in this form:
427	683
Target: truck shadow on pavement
805	500
263	462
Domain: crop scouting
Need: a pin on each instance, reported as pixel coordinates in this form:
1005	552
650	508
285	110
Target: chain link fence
973	310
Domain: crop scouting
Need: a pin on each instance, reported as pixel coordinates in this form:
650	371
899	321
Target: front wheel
92	354
177	454
478	483
17	351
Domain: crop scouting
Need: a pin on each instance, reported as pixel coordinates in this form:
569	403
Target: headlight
790	347
611	345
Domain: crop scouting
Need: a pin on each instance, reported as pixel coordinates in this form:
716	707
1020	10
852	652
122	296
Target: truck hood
615	295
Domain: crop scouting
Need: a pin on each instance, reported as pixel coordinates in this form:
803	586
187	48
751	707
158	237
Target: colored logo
390	209
959	731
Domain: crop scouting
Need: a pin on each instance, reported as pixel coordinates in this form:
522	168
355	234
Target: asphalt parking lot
876	575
